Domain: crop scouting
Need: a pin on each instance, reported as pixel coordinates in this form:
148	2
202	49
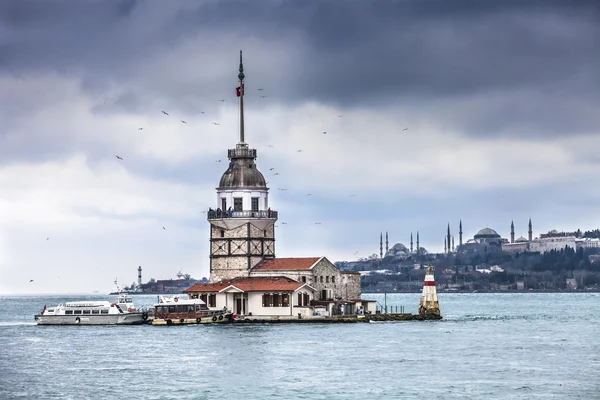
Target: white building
551	243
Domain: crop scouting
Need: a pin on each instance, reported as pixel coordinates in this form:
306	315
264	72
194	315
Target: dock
342	319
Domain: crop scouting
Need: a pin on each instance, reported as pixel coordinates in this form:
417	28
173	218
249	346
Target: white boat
94	312
179	310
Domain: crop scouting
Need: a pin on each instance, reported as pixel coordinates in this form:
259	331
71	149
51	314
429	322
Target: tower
381	245
445	246
448	238
453	243
140	275
411	243
428	304
512	231
460	233
530	231
242	228
418	248
387	248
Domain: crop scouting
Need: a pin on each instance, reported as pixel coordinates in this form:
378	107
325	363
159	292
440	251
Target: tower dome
487	233
242	172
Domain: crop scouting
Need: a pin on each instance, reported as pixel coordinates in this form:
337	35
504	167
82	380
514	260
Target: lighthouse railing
220	214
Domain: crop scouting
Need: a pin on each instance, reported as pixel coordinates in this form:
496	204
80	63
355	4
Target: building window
333	279
306	299
265	233
299	299
285	300
223	204
222	233
204	298
321	279
255	204
266	300
327	279
304	279
212	300
276	300
237	204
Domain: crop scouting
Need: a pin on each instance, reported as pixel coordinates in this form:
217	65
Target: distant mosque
400	251
487	240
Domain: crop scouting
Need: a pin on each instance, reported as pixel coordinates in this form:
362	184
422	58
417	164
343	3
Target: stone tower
242	228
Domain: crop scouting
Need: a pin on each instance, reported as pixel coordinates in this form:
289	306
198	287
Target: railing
241	152
218	214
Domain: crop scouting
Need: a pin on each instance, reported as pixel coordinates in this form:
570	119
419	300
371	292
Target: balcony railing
241	152
218	214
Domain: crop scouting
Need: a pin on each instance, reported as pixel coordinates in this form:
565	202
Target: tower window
265	233
222	233
223	204
237	204
255	204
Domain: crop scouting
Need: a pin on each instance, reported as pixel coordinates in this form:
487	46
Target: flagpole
241	78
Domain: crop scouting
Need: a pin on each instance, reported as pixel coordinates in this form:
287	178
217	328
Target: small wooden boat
179	310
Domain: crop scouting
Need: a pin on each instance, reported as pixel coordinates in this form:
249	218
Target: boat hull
110	319
214	319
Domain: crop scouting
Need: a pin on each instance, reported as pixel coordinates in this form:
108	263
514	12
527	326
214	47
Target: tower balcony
241	152
263	214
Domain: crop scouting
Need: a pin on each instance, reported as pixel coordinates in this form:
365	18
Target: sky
434	112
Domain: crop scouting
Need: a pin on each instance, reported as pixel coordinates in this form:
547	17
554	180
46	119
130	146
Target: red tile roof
275	264
248	284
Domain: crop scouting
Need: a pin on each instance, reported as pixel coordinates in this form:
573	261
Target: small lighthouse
140	276
429	301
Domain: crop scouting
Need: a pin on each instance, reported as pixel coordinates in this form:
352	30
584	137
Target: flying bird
166	113
218	160
271	145
317	223
271	169
284	223
298	151
260	89
351	195
405	129
140	129
356	252
201	112
183	122
276	173
164	228
47	238
118	157
222	101
31	280
340	116
324	133
309	194
262	97
216	123
281	189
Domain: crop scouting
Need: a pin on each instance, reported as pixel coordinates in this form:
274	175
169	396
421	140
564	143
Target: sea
488	346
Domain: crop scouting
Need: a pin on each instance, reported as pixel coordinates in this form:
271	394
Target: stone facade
351	284
237	245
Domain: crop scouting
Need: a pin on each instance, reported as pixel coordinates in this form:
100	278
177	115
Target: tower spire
418	243
240	92
381	245
530	232
411	243
387	248
460	232
512	231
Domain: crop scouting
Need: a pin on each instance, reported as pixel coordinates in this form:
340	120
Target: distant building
551	243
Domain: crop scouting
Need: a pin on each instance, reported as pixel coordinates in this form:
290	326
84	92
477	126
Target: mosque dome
399	247
487	233
521	240
242	172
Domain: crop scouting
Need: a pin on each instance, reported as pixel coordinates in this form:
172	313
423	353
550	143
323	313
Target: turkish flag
239	90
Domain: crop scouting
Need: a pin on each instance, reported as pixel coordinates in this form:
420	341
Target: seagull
31	280
317	223
356	252
405	129
351	195
164	228
201	112
140	129
262	97
166	113
47	238
260	89
298	151
340	116
284	223
309	194
202	212
182	121
324	133
216	123
271	169
118	157
281	189
222	101
218	160
276	173
271	145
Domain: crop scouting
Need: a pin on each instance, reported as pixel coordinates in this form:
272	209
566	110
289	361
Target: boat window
68	312
171	308
86	311
95	311
103	311
77	312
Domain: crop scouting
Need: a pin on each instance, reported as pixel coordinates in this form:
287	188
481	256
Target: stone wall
351	283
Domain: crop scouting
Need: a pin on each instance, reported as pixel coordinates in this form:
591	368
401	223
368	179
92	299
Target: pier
345	319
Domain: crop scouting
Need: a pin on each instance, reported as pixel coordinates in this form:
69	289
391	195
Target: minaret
418	248
381	245
448	238
512	231
530	231
242	228
453	243
460	232
445	246
387	247
411	244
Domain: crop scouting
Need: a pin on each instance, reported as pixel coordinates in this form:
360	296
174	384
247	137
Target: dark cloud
532	65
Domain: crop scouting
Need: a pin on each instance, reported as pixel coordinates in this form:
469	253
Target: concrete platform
335	319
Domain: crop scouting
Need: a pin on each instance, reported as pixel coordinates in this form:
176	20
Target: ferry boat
179	310
94	312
